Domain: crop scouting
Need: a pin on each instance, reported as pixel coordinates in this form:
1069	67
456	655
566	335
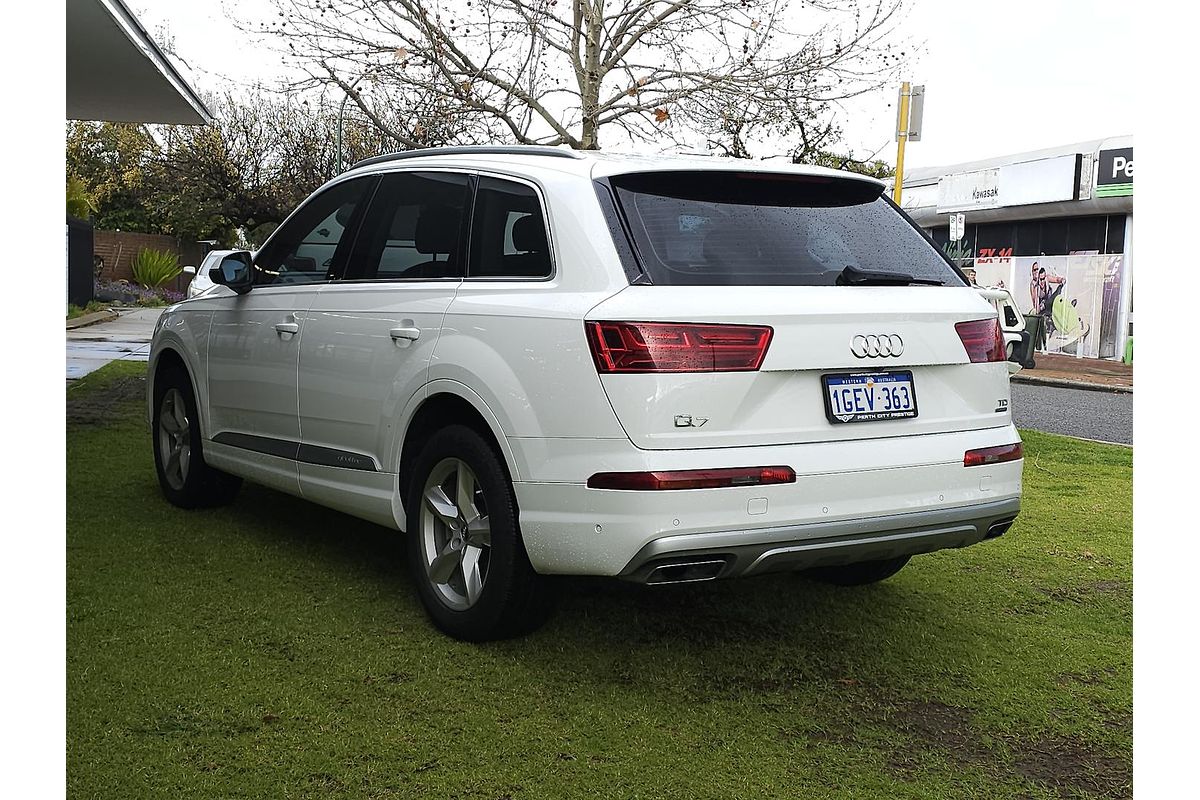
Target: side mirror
189	271
234	271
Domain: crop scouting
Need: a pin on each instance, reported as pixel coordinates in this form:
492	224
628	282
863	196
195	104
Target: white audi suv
540	362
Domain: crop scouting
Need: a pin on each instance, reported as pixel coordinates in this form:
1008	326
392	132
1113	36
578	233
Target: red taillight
677	346
982	339
993	455
692	478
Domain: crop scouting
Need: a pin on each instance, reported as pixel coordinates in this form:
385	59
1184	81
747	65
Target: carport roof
115	72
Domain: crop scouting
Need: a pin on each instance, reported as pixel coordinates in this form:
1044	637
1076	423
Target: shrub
132	294
152	268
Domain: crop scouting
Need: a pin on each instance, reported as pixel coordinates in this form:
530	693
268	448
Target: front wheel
186	480
859	574
464	544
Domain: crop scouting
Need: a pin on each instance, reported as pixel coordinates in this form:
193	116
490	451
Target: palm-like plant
152	268
79	200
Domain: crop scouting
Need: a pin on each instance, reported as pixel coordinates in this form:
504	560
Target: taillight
677	346
993	455
982	339
692	478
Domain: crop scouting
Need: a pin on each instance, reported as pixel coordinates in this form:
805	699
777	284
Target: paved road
126	338
1104	416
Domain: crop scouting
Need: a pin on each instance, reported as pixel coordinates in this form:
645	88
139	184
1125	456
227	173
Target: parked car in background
1018	343
542	362
201	282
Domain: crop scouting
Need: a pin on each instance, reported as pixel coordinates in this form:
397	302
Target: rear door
804	337
369	337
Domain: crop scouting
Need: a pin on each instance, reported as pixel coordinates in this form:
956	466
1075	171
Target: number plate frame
878	416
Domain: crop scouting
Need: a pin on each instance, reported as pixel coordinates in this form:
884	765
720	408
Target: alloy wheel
174	439
456	536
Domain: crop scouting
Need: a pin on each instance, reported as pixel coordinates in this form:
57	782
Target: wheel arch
168	358
445	403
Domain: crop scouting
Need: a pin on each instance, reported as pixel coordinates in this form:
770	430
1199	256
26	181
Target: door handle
411	334
287	330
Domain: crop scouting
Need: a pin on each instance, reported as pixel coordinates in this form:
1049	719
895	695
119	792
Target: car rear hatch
770	312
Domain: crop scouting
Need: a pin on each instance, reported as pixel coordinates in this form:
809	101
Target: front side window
732	228
311	245
508	232
414	228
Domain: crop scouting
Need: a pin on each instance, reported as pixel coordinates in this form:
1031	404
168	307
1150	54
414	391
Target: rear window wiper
853	276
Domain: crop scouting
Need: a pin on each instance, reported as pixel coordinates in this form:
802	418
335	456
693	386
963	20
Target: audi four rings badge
872	346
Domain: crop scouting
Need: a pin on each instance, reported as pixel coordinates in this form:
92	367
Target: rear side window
732	228
508	232
413	229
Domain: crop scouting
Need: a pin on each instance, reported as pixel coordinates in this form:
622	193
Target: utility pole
908	126
342	115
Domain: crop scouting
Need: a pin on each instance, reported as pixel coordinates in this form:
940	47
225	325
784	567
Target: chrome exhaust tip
686	572
999	528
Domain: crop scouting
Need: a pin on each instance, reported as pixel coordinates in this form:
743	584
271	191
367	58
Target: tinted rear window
732	228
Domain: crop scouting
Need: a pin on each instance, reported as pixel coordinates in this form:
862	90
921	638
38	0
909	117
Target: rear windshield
734	228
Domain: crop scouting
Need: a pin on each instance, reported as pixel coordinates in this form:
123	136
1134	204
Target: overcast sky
999	77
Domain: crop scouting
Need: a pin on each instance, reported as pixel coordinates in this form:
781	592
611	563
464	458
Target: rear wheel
186	480
859	574
464	545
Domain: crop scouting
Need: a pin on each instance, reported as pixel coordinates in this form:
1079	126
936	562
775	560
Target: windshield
735	228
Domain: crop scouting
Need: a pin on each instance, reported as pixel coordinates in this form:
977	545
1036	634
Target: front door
255	338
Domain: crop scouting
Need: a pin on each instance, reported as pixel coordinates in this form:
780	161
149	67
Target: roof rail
470	150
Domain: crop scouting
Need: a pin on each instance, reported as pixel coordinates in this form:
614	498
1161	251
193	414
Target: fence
119	248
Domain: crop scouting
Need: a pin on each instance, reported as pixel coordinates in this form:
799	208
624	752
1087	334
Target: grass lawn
276	649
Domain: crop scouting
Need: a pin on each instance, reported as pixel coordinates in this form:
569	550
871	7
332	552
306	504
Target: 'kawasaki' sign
969	191
1114	173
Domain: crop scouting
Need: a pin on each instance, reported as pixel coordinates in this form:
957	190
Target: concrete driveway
125	338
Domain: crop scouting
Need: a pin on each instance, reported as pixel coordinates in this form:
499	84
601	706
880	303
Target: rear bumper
844	491
703	556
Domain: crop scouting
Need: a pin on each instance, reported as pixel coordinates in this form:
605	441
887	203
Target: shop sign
966	191
1045	180
1114	173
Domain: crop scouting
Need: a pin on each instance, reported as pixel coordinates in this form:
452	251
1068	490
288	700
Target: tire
859	574
464	545
184	477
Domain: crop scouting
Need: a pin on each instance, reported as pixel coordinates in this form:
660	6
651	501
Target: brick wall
119	248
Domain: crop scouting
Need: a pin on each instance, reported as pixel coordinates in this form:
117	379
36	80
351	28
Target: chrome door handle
411	334
287	330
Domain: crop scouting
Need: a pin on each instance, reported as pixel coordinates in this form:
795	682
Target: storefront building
1053	226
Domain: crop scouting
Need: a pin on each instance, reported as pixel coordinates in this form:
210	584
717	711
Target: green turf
276	649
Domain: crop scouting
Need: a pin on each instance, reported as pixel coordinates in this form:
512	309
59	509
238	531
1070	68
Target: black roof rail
470	150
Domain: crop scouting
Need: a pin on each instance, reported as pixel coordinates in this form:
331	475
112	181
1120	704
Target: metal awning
115	72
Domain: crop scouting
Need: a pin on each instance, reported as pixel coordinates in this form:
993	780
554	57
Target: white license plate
869	396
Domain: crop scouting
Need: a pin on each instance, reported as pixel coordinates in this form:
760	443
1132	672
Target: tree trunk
589	80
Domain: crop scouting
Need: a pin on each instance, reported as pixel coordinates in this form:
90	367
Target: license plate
869	396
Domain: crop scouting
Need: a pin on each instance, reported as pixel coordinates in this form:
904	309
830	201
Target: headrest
529	235
404	221
437	230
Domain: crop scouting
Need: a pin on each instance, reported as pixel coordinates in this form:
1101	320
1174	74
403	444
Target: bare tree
795	128
557	72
